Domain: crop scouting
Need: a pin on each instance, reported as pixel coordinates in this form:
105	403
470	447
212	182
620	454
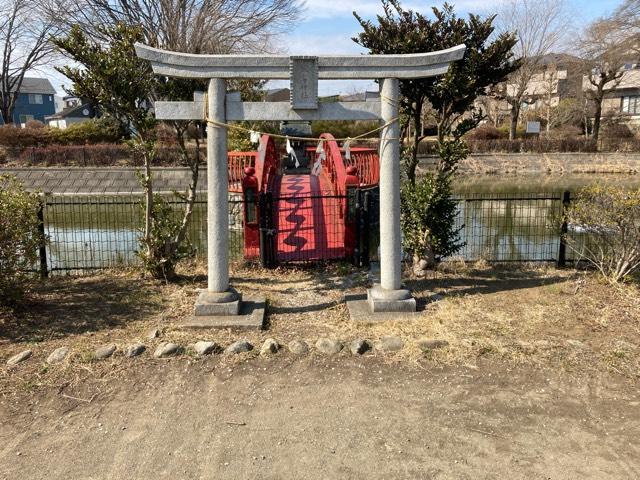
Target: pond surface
501	219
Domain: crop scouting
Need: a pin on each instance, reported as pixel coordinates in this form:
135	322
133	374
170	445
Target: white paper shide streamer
254	137
292	152
347	149
317	165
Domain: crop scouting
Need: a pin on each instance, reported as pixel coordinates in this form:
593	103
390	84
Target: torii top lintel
277	67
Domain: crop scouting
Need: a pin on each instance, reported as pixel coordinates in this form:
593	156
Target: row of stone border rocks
270	346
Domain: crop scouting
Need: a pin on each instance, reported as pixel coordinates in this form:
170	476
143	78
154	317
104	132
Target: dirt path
314	418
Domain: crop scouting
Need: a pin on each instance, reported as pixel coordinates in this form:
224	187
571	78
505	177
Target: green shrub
103	130
35	134
19	238
34	124
18	138
609	218
428	212
101	155
158	254
617	130
485	132
343	128
504	131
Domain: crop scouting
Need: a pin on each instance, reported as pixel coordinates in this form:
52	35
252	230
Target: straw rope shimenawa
291	137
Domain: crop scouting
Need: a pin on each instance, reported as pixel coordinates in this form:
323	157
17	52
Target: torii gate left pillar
219	300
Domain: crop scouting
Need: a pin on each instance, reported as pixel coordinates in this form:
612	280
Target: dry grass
527	314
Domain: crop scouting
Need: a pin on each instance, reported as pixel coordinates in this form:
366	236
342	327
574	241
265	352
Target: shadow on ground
485	282
62	307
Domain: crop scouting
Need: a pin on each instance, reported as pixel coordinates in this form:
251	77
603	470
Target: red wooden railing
267	163
333	164
367	162
257	178
237	162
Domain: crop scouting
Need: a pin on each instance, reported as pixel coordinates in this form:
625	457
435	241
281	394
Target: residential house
557	78
624	100
35	101
75	111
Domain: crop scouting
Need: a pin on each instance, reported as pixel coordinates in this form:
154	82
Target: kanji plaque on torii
220	301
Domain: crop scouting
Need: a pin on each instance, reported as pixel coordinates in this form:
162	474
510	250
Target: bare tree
627	18
550	82
604	59
191	26
24	45
541	26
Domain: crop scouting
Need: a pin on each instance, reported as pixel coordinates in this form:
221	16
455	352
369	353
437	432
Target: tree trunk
148	197
548	128
6	111
413	161
513	125
595	131
194	166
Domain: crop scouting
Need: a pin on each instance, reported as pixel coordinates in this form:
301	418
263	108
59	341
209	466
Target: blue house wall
39	111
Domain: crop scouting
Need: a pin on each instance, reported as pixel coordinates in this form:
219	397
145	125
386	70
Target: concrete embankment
88	180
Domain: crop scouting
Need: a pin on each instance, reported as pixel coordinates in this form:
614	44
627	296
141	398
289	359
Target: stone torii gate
219	302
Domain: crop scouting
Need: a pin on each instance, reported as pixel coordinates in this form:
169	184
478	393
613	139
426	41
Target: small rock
360	347
166	350
104	352
240	346
58	355
205	348
328	346
270	346
298	347
153	334
389	343
21	357
428	344
134	350
575	343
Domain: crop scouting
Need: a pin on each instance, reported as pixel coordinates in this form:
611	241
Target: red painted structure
309	214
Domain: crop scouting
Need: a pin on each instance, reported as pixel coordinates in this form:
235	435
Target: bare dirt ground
539	381
317	418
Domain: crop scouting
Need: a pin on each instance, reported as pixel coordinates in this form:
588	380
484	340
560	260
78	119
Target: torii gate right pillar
389	296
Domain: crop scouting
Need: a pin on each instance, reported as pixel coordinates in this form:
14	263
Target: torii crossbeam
303	72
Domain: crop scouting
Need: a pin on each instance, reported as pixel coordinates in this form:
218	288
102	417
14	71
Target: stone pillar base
218	303
382	300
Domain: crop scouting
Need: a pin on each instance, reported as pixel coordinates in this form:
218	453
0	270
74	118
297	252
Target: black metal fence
513	227
88	232
93	232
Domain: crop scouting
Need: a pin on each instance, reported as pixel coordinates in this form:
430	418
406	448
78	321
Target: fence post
365	228
44	270
357	252
564	229
268	254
